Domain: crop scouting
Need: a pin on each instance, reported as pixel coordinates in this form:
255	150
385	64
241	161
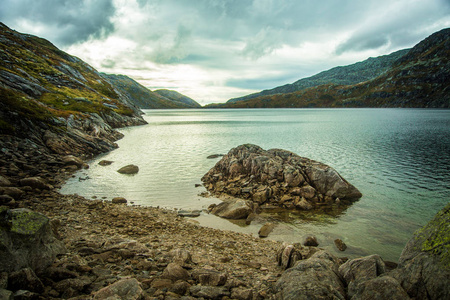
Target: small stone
105	162
340	245
311	241
265	230
119	200
175	272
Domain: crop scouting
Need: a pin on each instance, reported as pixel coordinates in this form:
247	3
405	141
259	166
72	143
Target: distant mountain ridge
418	78
177	97
147	99
342	75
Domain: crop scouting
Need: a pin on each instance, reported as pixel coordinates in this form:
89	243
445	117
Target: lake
398	158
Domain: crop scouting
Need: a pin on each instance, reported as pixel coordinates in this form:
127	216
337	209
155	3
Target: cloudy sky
213	50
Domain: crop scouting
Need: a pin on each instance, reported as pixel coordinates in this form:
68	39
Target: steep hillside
56	99
420	78
178	98
145	98
345	75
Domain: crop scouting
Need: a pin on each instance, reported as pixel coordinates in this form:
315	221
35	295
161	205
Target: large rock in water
278	177
424	265
26	240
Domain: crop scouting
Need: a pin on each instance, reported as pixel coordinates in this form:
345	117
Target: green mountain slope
419	78
145	98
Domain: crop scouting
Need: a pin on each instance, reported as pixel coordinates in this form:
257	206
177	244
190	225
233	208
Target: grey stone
233	209
265	230
127	288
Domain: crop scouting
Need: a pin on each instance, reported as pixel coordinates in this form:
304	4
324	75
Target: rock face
277	177
26	240
424	265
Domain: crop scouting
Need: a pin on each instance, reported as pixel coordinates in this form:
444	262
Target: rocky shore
95	249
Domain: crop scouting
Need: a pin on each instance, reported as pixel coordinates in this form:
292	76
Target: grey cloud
265	42
400	26
175	50
64	21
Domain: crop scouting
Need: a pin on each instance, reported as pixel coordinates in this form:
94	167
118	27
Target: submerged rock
277	177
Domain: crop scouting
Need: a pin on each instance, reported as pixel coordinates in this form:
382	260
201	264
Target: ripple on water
398	159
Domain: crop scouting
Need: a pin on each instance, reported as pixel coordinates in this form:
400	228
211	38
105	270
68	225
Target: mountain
57	100
344	75
177	97
145	98
418	78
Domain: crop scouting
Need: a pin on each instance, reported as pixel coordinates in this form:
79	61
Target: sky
214	50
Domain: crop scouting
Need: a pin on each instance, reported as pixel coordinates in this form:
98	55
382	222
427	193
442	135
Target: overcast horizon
213	50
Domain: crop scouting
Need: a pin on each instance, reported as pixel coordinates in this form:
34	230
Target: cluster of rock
423	271
277	177
126	252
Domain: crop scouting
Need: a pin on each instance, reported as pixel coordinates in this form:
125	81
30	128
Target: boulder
35	183
233	209
277	177
27	240
424	265
288	255
129	169
358	270
380	288
127	288
314	278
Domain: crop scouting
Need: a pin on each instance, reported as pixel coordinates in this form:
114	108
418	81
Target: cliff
56	100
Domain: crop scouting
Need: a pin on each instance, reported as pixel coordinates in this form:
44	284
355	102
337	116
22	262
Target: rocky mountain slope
147	99
57	100
178	98
420	78
343	75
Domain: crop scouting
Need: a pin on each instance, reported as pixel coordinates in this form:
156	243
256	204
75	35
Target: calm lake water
398	158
